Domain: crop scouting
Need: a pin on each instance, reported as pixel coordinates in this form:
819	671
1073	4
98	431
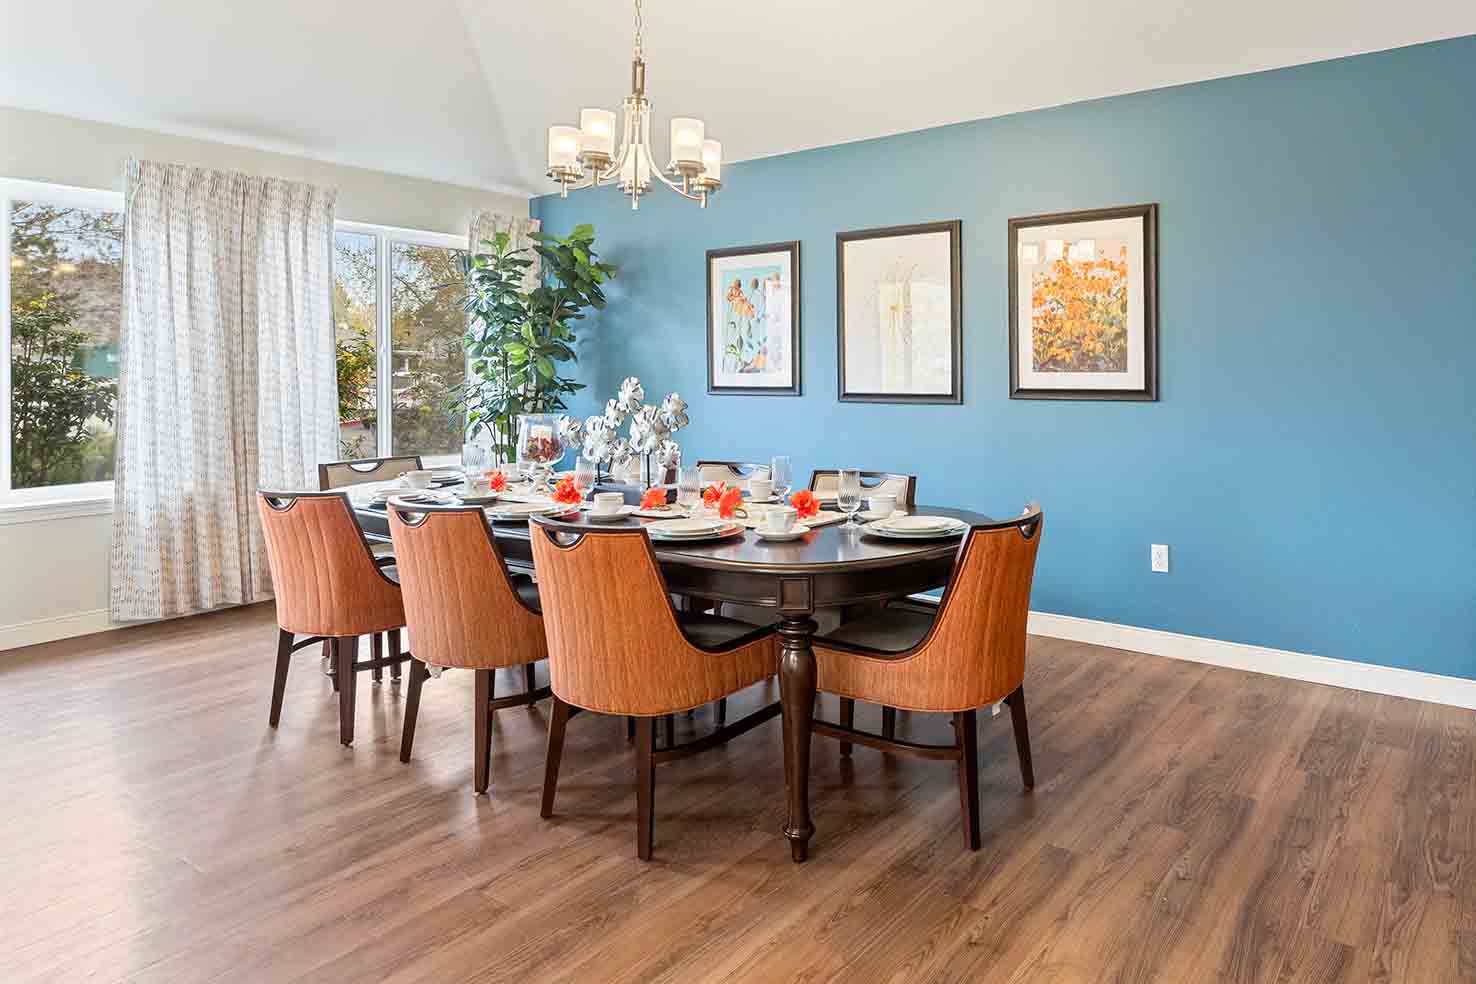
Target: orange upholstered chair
616	645
327	586
967	653
464	610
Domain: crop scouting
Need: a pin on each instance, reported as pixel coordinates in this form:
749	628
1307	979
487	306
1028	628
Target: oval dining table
830	567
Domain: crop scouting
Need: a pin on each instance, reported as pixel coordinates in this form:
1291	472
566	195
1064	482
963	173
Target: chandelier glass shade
589	155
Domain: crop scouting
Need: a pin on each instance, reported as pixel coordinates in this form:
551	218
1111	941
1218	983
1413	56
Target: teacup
780	519
607	503
760	488
478	485
420	478
883	504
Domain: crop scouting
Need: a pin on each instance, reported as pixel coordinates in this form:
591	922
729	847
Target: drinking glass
848	496
689	488
584	475
782	474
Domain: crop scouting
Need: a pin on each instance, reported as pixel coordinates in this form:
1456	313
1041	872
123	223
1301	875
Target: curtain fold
227	381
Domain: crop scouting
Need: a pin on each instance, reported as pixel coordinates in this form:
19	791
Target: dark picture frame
794	388
954	229
1148	215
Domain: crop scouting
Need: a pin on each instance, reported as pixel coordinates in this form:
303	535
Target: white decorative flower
571	431
597	439
632	393
647	430
674	412
620	452
614	415
668	453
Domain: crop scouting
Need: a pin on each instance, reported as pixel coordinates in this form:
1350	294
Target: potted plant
519	335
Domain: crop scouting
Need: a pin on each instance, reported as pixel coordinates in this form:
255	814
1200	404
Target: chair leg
394	651
1016	701
483	731
347	649
330	663
966	725
630	728
722	711
645	786
376	651
418	673
557	722
530	680
279	680
889	722
670	722
848	720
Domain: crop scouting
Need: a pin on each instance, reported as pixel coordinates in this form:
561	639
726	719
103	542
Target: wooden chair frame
485	699
371	473
965	747
871	480
341	651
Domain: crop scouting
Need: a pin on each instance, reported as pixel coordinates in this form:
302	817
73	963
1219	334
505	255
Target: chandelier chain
638	51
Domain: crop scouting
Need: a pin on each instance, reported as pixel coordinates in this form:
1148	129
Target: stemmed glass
781	473
848	495
689	488
584	476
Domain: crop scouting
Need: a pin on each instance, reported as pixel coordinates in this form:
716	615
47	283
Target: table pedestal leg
797	696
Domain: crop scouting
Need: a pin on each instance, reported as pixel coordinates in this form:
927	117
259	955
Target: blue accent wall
1312	458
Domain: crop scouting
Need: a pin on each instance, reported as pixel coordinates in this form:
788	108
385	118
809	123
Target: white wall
54	572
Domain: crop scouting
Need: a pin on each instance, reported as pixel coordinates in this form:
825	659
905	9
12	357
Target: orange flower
729	503
806	506
497	480
714	493
653	499
566	493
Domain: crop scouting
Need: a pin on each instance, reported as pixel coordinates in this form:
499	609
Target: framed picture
1084	305
753	319
899	308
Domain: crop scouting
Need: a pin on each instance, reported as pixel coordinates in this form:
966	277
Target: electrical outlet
1159	556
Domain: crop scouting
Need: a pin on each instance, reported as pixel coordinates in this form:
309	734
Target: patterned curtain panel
227	381
485	225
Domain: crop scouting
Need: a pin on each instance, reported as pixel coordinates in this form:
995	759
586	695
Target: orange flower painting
1079	312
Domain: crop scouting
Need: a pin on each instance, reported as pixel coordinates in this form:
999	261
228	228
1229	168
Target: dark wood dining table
830	567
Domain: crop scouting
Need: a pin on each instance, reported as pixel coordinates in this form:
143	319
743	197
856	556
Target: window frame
385	239
47	501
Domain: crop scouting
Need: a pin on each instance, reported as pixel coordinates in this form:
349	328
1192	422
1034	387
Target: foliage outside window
65	294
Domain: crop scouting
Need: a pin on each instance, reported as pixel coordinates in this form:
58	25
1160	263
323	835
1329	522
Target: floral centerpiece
651	429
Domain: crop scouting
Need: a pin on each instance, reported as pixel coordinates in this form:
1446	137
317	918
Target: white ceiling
462	90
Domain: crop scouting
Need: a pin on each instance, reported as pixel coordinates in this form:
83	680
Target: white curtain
227	382
485	225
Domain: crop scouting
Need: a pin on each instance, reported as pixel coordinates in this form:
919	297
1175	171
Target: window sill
46	510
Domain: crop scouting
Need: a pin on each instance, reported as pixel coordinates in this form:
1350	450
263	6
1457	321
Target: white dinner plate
883	529
624	512
513	511
920	524
732	529
686	527
478	500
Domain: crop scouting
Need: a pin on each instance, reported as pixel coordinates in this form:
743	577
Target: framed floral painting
753	320
1084	305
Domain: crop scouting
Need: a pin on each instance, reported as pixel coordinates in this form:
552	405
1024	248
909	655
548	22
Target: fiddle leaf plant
520	335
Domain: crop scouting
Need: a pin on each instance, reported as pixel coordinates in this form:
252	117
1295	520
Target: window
400	326
61	291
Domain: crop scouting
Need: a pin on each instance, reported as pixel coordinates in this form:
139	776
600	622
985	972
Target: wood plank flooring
1190	824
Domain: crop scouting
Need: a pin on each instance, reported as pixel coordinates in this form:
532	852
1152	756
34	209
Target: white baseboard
1455	691
57	627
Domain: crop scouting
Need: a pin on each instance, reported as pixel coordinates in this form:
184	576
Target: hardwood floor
1189	824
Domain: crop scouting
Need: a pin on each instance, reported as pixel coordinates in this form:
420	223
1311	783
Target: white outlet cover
1158	558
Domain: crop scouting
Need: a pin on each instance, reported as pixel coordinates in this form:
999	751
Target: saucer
794	533
624	512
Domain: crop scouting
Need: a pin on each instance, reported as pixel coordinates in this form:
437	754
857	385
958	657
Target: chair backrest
975	652
732	472
826	481
461	605
324	577
357	471
614	644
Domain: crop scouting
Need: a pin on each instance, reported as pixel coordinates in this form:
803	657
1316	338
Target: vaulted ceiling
462	90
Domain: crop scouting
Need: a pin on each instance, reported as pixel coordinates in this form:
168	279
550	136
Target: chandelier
585	156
